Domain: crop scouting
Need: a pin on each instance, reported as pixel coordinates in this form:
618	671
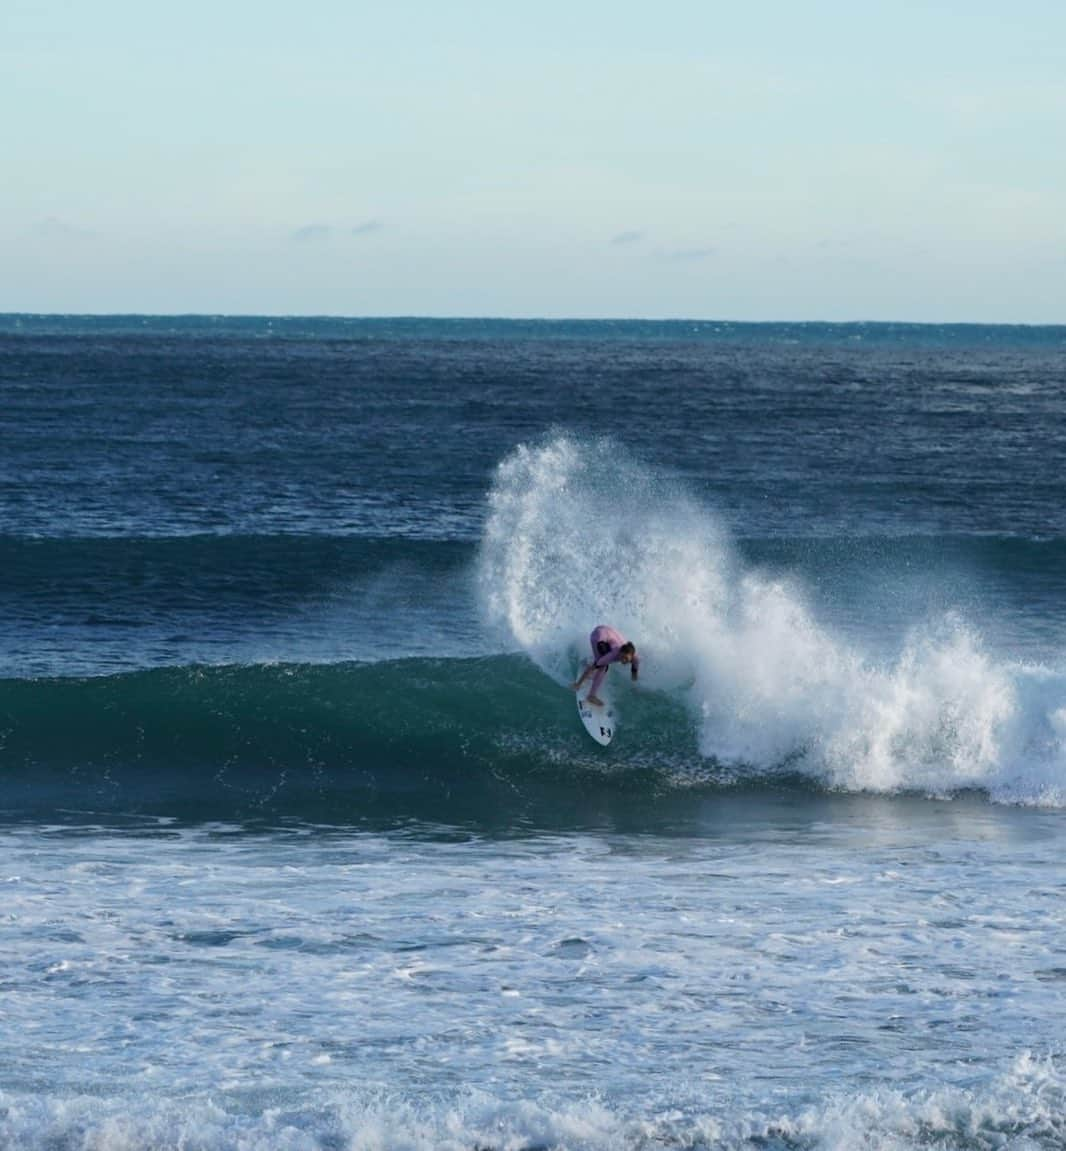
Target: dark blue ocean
302	845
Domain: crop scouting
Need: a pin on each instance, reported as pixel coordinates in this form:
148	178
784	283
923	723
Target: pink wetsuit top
605	634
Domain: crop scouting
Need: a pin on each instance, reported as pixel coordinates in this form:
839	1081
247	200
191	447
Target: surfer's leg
597	679
586	672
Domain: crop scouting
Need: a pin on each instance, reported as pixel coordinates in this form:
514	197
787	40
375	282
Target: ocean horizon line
14	321
34	313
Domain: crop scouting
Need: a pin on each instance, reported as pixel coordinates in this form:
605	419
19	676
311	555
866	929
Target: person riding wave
608	646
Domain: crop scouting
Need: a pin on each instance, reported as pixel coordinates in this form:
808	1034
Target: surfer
608	646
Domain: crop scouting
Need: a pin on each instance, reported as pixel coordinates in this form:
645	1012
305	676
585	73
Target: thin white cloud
52	227
687	255
310	233
316	233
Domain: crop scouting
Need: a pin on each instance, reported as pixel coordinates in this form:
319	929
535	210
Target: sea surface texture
302	844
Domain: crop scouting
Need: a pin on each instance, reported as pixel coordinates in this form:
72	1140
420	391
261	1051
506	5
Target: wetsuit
606	649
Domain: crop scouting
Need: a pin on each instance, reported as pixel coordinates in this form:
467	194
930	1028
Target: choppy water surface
830	971
302	846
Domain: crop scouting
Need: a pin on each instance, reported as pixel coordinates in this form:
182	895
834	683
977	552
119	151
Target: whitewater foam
580	533
1019	1108
792	981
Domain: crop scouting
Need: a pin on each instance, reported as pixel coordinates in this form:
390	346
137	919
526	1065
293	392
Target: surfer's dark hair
628	649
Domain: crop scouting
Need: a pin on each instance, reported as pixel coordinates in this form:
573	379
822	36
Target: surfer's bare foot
594	701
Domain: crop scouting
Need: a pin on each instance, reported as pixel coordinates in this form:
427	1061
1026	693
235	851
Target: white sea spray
581	533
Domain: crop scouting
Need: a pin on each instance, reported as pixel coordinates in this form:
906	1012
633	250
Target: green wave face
489	742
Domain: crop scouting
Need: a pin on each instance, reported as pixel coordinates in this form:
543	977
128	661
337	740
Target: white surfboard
599	721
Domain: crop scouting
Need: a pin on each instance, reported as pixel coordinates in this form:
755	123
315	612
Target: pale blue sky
819	160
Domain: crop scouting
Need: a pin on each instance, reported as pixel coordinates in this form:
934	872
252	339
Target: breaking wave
580	533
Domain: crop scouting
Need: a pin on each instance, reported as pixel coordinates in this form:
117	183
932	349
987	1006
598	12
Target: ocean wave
580	533
487	740
495	742
743	682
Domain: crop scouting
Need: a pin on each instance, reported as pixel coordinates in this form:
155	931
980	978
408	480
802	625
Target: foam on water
581	533
1020	1108
860	981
